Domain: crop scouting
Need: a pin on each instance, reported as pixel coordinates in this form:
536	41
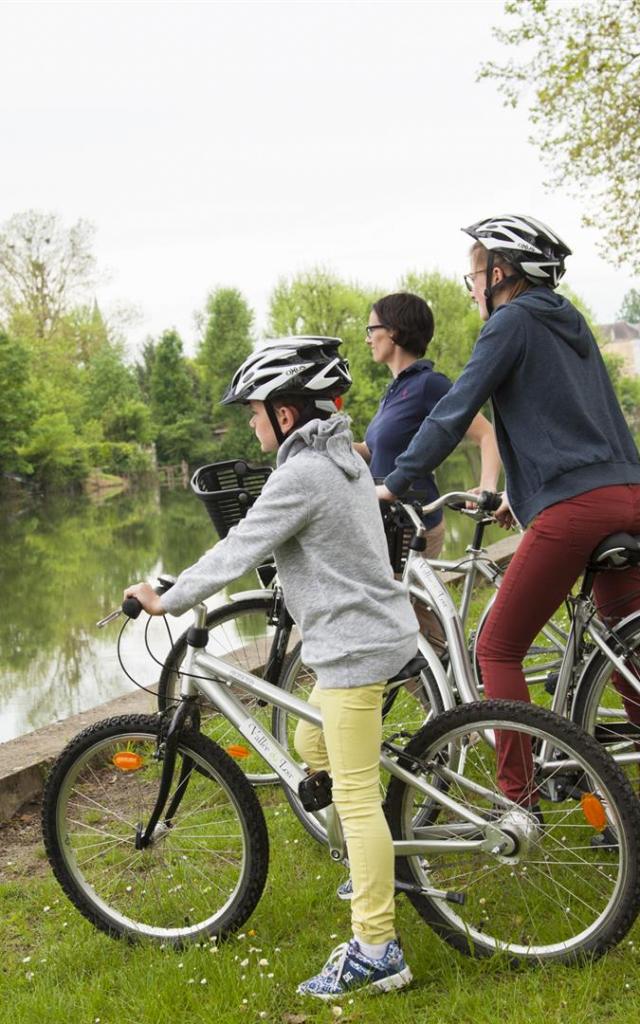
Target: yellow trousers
348	747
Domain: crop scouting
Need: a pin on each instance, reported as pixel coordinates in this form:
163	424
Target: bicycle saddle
617	551
410	670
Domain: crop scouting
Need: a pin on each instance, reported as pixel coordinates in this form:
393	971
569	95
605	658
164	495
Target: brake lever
109	618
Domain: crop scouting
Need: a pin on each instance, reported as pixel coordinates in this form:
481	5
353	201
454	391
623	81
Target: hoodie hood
558	316
330	438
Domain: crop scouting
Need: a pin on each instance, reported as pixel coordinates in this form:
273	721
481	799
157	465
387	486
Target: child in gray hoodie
319	516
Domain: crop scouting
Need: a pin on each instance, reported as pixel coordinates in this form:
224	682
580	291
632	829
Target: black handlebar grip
131	607
489	501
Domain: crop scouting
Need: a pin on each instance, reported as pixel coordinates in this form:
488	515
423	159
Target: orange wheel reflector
127	761
593	811
236	750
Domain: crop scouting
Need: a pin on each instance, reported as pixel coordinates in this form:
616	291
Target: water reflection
63	564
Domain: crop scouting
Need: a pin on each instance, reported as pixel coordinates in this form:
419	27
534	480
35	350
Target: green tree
55	451
144	368
17	404
226	342
44	267
581	61
175	403
630	308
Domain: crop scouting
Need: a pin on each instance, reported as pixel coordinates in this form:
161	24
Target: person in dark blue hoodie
571	466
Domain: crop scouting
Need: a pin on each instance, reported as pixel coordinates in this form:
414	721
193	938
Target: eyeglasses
468	278
375	327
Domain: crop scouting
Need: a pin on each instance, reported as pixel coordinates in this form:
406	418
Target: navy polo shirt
407	401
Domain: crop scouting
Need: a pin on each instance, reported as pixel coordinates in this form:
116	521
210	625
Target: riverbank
24	761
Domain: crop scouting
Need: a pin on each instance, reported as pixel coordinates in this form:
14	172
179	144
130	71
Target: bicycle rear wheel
611	712
554	896
406	707
241	633
203	873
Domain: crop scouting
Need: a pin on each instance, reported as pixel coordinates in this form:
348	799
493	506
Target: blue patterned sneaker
348	969
345	891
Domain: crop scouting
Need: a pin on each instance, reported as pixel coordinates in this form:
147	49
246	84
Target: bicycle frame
204	673
425	586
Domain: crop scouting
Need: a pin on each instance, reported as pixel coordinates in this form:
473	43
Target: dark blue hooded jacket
559	426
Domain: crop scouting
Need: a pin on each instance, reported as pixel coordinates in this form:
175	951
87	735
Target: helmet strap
491	289
308	413
273	419
488	290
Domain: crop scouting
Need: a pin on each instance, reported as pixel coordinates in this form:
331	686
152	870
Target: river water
63	564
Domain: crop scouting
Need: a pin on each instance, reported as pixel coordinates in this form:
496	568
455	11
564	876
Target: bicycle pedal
315	791
551	683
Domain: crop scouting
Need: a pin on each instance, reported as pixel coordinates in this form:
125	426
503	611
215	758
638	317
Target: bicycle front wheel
204	871
552	894
405	709
240	633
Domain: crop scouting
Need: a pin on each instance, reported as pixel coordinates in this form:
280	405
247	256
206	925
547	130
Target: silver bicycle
155	833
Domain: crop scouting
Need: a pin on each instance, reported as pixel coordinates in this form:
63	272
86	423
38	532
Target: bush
120	457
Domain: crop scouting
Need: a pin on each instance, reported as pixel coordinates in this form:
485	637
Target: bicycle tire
406	715
90	812
557	897
543	657
599	707
244	647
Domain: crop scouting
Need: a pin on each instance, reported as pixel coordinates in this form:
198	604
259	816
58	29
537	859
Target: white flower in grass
46	909
245	962
264	962
26	959
336	1011
203	981
263	1015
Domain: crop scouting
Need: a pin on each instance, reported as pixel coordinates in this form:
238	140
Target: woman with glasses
399	331
572	468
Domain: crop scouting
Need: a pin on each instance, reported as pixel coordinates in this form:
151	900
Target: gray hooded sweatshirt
318	514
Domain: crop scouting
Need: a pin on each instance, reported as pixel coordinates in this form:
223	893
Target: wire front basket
228	490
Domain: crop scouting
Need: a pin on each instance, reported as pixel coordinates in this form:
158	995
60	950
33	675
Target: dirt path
21	850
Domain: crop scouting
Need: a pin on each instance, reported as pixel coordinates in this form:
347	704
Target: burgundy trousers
553	553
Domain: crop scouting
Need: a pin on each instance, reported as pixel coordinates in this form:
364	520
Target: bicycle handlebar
488	501
131	607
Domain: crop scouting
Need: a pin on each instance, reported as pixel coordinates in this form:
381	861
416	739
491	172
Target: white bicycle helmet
302	367
527	244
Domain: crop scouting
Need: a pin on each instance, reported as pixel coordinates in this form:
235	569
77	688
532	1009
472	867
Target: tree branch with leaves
578	65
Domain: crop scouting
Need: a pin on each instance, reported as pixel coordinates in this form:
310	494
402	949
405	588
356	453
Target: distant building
623	339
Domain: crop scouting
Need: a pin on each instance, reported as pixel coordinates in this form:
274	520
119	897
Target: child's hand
384	494
147	597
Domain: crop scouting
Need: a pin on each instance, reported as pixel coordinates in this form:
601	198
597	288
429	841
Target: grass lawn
56	968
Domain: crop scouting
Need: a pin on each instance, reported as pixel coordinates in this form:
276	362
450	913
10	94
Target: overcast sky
233	143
